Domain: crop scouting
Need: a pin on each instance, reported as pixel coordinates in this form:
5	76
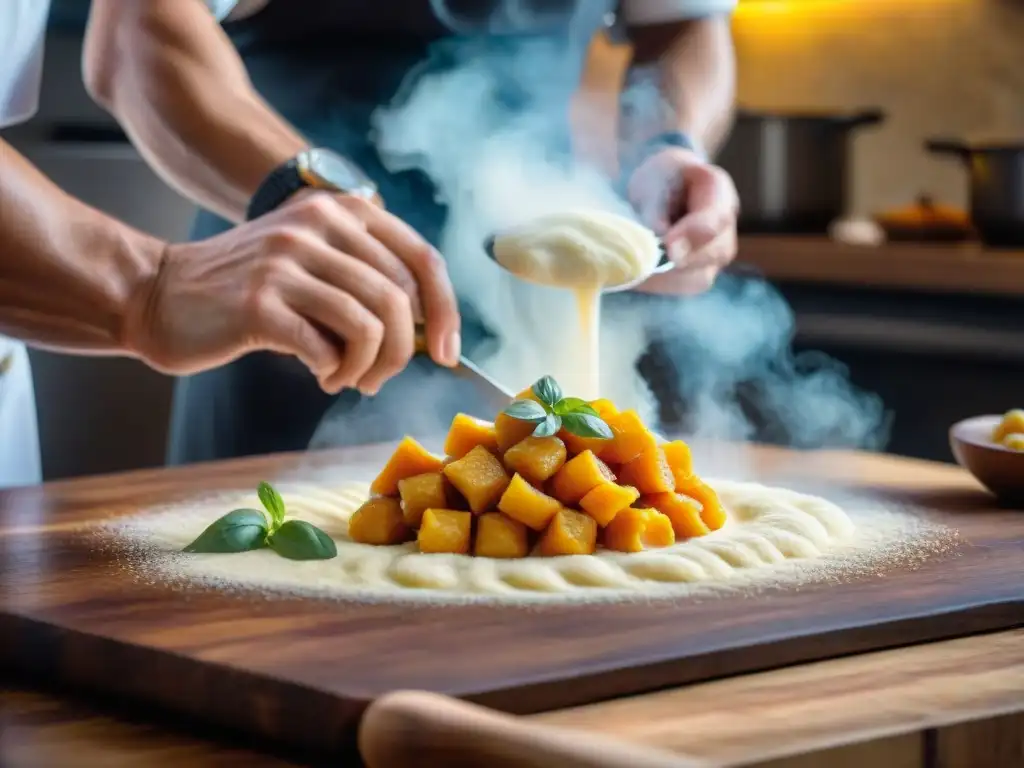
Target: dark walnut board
300	671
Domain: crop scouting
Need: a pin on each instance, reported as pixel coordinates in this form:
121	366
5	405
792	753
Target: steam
494	168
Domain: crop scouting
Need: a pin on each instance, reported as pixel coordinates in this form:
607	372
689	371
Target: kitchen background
934	67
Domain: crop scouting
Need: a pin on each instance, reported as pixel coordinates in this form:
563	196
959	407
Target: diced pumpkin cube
509	431
630	438
536	458
1012	423
421	492
711	510
409	459
531	507
500	536
579	475
466	433
445	530
605	500
479	477
577	444
634	530
569	533
649	472
682	511
379	521
680	461
604	407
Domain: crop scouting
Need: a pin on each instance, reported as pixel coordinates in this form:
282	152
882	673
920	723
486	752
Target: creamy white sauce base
766	527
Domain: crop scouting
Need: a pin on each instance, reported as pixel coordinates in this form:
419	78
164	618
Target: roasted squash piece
479	477
682	511
409	459
711	510
510	431
680	461
379	521
580	473
605	500
466	433
634	530
630	438
576	444
531	507
500	536
445	530
569	533
649	472
536	458
1012	423
421	492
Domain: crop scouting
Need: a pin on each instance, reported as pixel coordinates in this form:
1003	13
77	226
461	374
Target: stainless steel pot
792	169
996	179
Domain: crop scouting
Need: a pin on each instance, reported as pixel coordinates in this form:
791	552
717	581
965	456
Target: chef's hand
692	205
335	280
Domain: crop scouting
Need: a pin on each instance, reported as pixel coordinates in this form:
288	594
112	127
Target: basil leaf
526	410
273	502
547	390
569	405
298	540
550	426
238	531
586	425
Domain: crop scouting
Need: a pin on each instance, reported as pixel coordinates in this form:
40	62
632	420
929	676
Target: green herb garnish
554	412
243	530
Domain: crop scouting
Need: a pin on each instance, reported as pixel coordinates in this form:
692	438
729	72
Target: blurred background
903	261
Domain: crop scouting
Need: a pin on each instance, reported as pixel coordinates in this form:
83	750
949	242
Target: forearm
169	74
682	77
67	272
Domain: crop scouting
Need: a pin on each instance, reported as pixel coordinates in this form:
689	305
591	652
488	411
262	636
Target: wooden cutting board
301	671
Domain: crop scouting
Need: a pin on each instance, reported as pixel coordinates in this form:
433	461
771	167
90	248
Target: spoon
664	265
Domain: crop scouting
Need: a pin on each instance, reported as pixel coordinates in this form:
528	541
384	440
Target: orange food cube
711	510
379	521
479	477
421	492
569	533
682	511
577	444
536	458
605	500
630	438
579	475
680	461
500	536
649	472
410	458
634	530
604	408
445	530
510	431
466	433
531	507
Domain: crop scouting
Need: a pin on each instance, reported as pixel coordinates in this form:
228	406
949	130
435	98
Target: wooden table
950	704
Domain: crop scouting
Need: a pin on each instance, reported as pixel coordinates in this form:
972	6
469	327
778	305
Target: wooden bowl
999	469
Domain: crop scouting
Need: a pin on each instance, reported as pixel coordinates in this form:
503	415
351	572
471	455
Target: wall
952	67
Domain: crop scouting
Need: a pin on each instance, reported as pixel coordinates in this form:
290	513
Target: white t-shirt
22	30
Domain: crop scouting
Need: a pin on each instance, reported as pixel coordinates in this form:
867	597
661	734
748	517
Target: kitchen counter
959	268
953	703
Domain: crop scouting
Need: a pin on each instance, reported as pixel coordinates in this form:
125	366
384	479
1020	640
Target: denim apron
326	65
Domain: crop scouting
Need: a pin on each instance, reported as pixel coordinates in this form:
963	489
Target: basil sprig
243	530
554	411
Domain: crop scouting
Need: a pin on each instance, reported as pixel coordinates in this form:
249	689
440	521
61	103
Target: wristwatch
314	168
656	144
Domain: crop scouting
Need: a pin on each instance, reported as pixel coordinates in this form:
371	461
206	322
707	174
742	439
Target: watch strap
279	185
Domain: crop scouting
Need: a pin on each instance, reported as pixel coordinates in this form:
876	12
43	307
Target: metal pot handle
947	147
865	117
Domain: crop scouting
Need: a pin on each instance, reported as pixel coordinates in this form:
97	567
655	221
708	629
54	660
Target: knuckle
286	239
367	330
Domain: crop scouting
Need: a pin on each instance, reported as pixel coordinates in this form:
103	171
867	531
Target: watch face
337	172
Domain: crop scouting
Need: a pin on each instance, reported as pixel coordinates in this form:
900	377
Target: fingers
712	205
358	305
282	329
440	307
